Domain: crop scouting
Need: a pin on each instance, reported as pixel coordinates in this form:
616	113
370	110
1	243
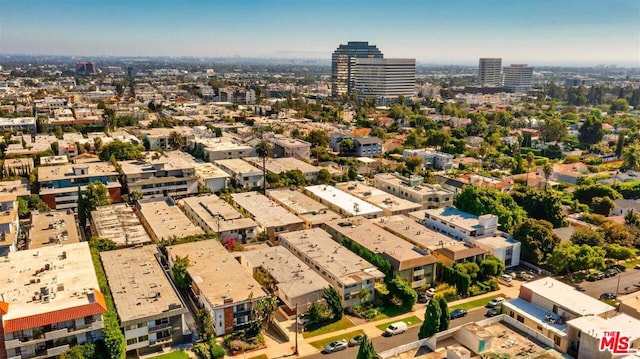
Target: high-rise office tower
518	78
384	79
489	72
341	79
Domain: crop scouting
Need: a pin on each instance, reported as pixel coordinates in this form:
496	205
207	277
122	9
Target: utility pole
295	352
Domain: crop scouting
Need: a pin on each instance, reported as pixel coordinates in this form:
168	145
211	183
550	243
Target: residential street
629	282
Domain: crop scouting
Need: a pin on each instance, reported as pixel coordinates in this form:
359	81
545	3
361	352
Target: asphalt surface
629	282
381	343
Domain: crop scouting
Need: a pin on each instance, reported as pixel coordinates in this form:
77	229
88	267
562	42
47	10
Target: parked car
495	302
335	346
506	278
303	319
595	276
395	329
608	295
458	313
611	272
357	340
637	266
525	276
492	312
423	297
431	291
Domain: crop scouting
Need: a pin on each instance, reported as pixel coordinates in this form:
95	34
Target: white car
495	302
335	346
303	320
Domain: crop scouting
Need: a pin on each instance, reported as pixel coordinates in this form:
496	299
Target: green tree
537	240
180	274
366	350
553	130
491	266
480	201
587	236
413	163
445	319
263	312
602	205
402	291
318	138
619	252
205	325
264	150
102	244
96	195
324	176
176	140
334	302
547	170
121	151
631	157
431	322
585	194
540	204
347	147
23	207
619	105
530	159
113	337
470	268
569	257
591	131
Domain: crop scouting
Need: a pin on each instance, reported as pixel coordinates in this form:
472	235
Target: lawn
631	264
173	355
412	320
388	311
343	323
347	336
474	303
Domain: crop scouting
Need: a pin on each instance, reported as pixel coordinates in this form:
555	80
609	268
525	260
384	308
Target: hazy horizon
538	32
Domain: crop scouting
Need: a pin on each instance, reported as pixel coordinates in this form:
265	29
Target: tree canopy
537	240
122	151
480	201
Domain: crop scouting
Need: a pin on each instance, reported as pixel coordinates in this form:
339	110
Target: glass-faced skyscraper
489	72
342	60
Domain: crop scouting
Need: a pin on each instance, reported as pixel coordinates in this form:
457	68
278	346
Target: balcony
16	357
57	334
159	327
13	343
57	350
160	341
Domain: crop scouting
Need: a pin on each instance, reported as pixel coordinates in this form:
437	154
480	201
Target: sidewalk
277	350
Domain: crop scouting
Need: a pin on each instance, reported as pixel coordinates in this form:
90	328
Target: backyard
343	323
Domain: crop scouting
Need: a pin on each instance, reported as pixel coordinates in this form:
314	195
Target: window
557	339
520	319
132	341
539	327
162	321
143	338
141	325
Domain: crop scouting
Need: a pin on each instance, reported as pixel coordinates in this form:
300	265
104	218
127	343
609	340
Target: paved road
629	282
381	343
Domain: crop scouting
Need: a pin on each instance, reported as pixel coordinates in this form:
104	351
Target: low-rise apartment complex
242	173
271	218
390	204
414	189
119	223
163	219
312	212
342	202
169	174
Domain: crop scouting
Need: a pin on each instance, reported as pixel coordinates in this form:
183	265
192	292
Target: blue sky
538	32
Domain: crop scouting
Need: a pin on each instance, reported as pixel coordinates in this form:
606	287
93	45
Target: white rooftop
348	203
567	296
594	325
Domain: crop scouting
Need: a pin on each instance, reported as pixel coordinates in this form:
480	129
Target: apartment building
270	217
214	215
163	219
23	124
220	284
384	79
222	148
295	283
119	223
312	212
151	312
431	158
211	177
168	174
59	184
586	333
50	301
9	223
282	165
53	228
345	271
480	231
414	265
408	229
242	173
284	146
236	95
490	72
342	202
414	189
390	204
159	138
546	305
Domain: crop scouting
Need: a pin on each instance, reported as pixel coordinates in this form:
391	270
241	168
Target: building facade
490	72
341	64
518	78
384	79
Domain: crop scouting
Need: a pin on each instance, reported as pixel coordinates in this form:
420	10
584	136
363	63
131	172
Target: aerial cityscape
331	180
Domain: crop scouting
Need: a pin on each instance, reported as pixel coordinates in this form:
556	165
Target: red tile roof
57	316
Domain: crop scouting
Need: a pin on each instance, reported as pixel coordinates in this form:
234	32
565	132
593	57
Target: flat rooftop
294	277
139	286
208	170
338	262
535	314
93	169
53	160
567	296
165	219
423	188
377	240
265	211
16	188
28	286
595	325
216	272
495	241
378	198
348	203
414	232
119	223
216	211
467	221
460	250
237	166
283	164
52	228
168	161
303	206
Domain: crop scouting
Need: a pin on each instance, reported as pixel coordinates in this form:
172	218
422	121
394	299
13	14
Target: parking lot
629	281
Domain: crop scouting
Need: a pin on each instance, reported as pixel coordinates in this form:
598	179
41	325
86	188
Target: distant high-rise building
489	72
384	79
341	62
86	68
518	78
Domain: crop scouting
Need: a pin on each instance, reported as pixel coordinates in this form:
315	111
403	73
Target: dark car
612	272
458	313
423	297
357	340
595	276
608	295
492	312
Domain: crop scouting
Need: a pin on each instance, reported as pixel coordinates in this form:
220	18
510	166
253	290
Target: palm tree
176	140
547	169
264	150
530	159
631	157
